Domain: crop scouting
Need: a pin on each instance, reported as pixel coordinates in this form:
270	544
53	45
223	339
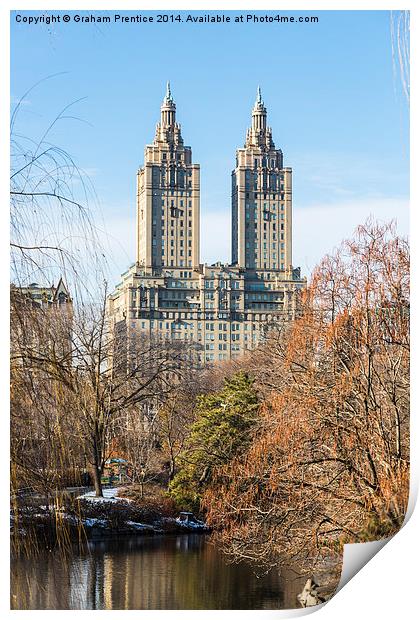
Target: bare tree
176	417
52	209
329	463
52	235
44	449
110	379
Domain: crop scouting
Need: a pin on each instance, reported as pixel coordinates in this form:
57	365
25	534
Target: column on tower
168	198
261	200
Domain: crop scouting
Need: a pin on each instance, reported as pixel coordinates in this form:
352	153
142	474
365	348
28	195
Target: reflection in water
168	572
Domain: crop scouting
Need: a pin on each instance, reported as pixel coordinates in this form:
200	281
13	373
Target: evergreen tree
221	430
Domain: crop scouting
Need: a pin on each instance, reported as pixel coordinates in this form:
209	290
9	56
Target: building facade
223	309
40	316
168	198
45	297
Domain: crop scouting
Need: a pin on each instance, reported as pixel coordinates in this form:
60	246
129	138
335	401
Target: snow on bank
92	522
141	526
109	496
192	525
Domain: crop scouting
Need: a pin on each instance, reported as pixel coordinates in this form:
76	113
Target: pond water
157	572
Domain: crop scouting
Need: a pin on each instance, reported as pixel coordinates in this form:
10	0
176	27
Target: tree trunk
96	462
95	472
171	468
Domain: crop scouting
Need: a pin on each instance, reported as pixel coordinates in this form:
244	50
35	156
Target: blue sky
332	97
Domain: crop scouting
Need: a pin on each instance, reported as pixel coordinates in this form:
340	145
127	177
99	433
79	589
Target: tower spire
168	109
168	95
259	131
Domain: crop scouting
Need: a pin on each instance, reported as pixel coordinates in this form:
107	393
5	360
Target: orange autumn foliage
329	461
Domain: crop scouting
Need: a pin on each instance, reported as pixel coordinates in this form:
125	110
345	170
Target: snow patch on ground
109	496
192	525
92	522
139	526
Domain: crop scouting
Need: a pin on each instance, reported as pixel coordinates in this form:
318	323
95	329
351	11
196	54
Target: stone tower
261	200
168	198
214	312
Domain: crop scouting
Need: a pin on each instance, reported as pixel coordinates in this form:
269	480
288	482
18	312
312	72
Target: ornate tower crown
168	130
259	135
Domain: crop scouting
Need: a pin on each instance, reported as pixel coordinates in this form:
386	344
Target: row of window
222	283
265	206
180	263
209	327
248	318
273	237
178	207
265	265
175	156
172	234
248	254
188	283
170	192
266	161
266	216
181	252
264	195
224	347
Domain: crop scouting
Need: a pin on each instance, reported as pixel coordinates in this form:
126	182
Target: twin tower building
223	310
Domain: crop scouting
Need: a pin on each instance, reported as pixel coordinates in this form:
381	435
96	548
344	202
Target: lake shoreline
113	519
93	518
